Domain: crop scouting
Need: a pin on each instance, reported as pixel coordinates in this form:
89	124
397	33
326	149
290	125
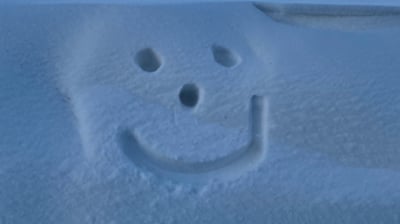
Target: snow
166	2
289	115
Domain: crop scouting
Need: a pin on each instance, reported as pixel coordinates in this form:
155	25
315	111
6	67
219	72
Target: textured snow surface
199	113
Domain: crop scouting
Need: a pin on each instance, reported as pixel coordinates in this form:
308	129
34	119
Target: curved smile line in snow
227	167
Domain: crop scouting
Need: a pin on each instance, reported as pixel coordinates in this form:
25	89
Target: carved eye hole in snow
148	60
189	95
224	56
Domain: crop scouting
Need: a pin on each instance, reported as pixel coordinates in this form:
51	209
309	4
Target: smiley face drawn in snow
188	110
228	166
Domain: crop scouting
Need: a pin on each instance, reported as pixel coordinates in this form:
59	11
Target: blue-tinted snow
69	82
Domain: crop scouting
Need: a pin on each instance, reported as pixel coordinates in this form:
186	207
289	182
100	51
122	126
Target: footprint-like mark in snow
228	167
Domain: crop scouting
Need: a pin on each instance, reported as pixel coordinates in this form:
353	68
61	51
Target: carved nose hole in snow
189	95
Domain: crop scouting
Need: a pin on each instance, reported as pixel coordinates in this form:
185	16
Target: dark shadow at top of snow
333	16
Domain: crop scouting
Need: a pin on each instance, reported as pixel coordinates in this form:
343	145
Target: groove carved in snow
227	167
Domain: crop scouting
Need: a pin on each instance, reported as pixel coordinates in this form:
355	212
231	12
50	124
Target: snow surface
295	115
166	2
